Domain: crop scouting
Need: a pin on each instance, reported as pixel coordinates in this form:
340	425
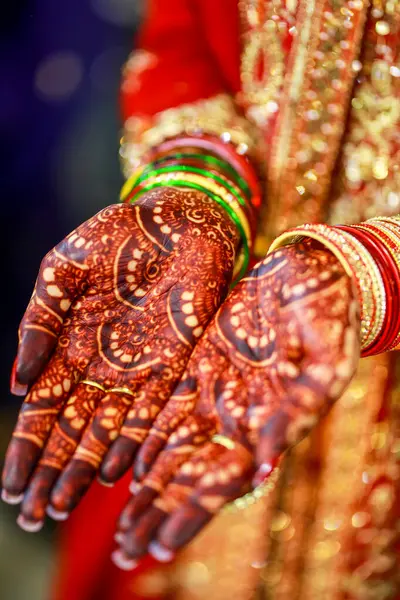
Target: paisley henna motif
120	302
279	352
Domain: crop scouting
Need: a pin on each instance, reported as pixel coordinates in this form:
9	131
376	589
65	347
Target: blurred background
60	68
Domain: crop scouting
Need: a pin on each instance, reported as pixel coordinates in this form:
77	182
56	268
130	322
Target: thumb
272	443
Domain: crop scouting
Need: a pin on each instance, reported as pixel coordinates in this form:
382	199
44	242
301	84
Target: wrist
369	253
197	169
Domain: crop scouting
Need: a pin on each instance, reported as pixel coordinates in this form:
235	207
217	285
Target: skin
278	353
121	302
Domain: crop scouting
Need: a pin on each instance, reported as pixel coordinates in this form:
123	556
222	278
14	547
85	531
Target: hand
280	350
120	302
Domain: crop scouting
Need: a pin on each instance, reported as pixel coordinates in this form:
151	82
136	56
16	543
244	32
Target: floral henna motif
279	352
120	302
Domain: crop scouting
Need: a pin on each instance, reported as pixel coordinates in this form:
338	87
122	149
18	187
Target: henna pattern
280	350
121	302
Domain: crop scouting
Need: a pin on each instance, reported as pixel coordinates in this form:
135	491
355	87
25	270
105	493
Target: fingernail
56	515
16	388
119	537
11	498
160	553
104	483
134	487
263	472
29	526
123	563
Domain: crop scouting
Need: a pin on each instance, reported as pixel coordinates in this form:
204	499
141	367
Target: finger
228	479
96	440
59	282
58	451
36	419
306	402
178	408
148	402
135	543
193	434
211	477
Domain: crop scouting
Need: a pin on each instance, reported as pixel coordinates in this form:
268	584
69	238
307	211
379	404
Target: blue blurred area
59	124
60	68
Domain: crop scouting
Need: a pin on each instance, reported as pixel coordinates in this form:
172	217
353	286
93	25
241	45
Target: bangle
149	173
216	115
389	234
357	263
196	158
178	179
387	268
209	179
224	150
231	206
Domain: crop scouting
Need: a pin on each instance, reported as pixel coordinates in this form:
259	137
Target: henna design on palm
279	352
121	302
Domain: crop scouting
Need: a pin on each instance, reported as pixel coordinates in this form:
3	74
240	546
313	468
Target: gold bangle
374	297
214	116
252	497
350	253
213	187
94	384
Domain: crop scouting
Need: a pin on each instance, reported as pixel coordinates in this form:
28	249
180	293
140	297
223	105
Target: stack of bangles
207	165
370	255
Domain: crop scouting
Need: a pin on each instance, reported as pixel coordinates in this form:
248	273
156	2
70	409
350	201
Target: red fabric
197	51
196	48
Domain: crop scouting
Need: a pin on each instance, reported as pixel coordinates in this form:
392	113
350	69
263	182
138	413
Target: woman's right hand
120	302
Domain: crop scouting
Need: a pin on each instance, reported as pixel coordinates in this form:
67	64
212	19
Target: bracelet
195	159
222	149
149	173
216	115
358	264
387	229
387	269
205	184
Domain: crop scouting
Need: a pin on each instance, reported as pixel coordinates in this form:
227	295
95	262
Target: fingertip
119	537
134	487
263	472
56	515
104	483
17	388
160	552
121	561
13	499
29	526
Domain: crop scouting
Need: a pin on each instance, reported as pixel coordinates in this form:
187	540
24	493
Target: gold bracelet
358	264
259	492
213	187
215	116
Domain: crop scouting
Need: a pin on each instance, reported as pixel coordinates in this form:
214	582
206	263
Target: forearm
370	255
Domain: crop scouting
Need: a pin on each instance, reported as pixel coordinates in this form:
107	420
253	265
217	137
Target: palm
280	350
121	302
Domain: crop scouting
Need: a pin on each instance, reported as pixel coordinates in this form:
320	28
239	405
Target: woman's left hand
279	352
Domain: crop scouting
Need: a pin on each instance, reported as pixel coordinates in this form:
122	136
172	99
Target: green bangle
218	200
211	160
184	169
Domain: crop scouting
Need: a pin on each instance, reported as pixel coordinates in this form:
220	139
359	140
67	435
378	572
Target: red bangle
224	150
389	244
389	273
